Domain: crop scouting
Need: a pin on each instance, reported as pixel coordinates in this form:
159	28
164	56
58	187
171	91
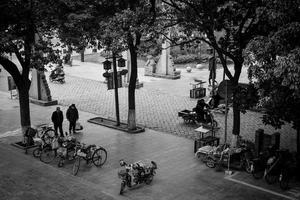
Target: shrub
183	59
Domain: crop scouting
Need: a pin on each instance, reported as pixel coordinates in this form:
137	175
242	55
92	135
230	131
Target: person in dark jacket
57	119
199	109
72	116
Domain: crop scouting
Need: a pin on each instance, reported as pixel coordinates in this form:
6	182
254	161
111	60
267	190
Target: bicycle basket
81	154
61	151
30	132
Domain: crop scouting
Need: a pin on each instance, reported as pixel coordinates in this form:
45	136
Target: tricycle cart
188	116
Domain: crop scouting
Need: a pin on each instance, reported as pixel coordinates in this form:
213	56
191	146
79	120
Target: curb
112	124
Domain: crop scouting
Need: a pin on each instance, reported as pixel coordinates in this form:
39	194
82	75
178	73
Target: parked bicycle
63	148
43	132
66	150
91	154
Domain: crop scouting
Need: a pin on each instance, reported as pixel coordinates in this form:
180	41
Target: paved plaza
179	176
157	103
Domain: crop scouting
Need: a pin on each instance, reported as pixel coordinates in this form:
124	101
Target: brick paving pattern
157	107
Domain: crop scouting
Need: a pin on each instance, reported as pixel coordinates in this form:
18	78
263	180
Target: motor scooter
57	75
136	173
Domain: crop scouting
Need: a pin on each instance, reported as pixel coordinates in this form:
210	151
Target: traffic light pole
116	88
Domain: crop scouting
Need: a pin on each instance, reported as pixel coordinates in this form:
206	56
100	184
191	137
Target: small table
201	140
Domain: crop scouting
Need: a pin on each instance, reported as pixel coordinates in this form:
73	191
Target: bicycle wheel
49	135
258	174
37	152
99	157
76	165
47	155
247	166
210	163
270	179
284	182
61	162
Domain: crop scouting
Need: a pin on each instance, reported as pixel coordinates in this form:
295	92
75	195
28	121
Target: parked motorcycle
259	163
57	75
136	173
276	168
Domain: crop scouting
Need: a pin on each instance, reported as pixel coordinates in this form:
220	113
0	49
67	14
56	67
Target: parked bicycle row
274	165
47	147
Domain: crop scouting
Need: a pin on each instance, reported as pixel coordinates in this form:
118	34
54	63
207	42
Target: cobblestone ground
157	107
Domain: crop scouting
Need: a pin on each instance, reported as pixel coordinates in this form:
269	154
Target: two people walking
58	118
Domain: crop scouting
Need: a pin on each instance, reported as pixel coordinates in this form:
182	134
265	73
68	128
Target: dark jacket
57	117
72	114
199	109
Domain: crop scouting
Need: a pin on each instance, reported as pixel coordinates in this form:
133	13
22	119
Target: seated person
199	109
215	101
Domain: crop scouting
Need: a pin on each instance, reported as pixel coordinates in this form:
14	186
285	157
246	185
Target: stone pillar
39	91
259	140
165	66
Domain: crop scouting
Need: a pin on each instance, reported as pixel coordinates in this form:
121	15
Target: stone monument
126	54
164	68
39	91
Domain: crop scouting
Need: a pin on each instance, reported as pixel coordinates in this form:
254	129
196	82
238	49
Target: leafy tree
25	27
122	27
274	62
228	27
76	25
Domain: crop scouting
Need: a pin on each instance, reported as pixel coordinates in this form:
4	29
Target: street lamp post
115	74
116	89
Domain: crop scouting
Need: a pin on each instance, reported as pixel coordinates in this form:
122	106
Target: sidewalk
25	178
180	176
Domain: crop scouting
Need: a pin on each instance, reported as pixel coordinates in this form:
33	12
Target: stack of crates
198	91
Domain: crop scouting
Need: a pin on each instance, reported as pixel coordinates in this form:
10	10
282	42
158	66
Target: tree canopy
228	27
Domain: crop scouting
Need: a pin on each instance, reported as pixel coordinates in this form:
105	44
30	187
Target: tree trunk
24	108
82	55
235	105
131	89
236	123
22	83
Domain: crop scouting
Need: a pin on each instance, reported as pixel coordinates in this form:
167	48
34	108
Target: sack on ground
78	126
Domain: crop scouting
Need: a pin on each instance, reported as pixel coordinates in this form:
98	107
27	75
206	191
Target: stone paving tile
156	108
